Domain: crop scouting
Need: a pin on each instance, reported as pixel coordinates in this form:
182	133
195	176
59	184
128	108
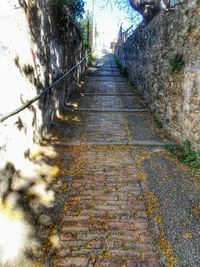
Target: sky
108	19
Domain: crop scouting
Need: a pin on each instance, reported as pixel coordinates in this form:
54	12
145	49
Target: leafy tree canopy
75	7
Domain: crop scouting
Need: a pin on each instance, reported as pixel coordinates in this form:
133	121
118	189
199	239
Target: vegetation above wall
66	13
73	7
86	26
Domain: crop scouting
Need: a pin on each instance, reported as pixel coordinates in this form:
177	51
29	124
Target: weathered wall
34	51
174	98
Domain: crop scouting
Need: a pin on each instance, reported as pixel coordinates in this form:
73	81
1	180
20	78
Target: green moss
177	63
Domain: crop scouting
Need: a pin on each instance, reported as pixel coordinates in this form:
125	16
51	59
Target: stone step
108	110
103	75
111	70
110	94
96	143
108	81
108	70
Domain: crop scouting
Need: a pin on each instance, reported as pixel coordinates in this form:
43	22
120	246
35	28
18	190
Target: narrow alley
100	133
115	214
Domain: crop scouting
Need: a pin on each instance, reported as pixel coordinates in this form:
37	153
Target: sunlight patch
13	234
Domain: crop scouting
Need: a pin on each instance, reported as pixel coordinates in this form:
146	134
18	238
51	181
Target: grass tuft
186	154
120	67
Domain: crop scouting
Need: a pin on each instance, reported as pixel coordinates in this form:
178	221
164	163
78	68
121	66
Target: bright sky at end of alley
108	18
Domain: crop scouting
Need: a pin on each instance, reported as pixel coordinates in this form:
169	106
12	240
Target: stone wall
34	52
163	62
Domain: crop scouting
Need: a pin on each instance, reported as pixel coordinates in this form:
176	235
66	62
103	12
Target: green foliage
75	7
86	25
186	154
198	1
66	13
92	60
177	63
120	67
87	45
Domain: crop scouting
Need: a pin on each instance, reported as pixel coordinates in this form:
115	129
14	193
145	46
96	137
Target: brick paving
104	221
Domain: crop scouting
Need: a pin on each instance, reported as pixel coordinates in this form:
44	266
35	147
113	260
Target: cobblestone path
105	220
130	202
